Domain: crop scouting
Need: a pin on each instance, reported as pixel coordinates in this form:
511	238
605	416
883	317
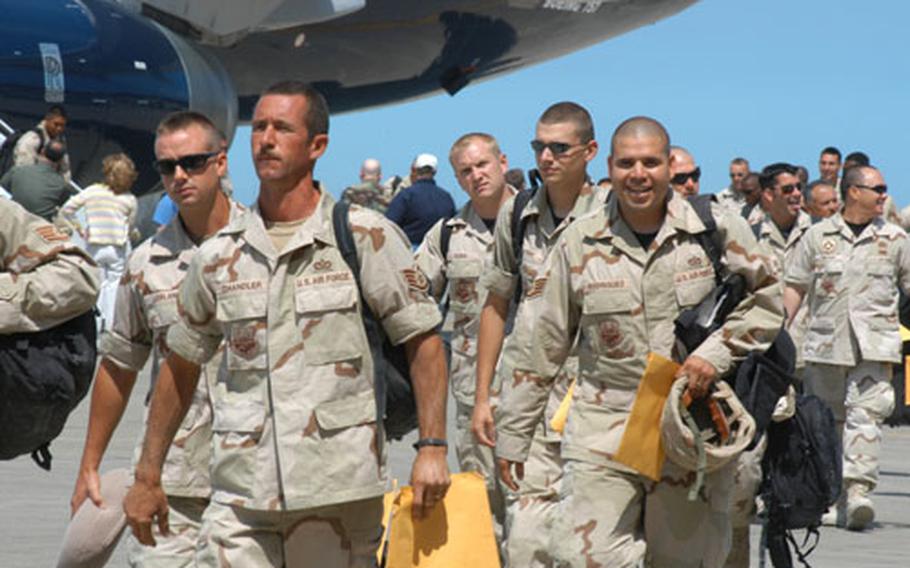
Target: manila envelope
640	447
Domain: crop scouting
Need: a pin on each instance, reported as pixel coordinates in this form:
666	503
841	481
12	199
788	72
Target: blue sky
771	80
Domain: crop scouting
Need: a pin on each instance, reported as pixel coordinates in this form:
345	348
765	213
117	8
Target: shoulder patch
50	234
415	279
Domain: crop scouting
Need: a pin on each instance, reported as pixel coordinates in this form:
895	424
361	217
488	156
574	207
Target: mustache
266	154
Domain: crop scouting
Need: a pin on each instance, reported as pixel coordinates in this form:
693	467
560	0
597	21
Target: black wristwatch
438	442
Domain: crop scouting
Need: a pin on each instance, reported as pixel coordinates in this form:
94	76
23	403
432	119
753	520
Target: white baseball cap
425	161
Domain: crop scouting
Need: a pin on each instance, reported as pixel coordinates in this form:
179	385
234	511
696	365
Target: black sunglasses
681	177
791	187
879	189
556	148
189	164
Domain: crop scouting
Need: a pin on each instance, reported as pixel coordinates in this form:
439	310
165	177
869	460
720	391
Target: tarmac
34	504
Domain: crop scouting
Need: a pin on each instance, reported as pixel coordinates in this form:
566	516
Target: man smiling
614	284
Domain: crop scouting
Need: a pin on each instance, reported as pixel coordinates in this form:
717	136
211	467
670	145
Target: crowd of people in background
554	288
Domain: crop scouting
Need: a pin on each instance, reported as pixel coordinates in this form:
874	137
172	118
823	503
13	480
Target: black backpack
43	376
763	377
395	402
9	145
802	476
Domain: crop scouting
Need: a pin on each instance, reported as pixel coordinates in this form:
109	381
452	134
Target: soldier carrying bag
43	376
801	468
395	402
763	377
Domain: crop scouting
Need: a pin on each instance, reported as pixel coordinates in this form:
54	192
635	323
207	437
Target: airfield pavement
34	504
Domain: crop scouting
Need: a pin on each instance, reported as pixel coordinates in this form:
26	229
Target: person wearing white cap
421	205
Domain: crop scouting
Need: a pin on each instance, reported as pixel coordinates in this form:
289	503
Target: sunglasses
791	187
555	148
189	164
879	189
682	177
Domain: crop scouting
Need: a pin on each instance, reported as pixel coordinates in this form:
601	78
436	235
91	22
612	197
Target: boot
860	512
836	515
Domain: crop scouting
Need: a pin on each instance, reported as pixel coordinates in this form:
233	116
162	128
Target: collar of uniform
173	238
540	205
680	217
317	227
770	229
839	225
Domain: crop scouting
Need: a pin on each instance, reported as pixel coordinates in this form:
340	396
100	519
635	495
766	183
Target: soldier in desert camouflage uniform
299	457
849	266
45	279
564	144
732	198
369	192
479	167
191	164
617	279
780	232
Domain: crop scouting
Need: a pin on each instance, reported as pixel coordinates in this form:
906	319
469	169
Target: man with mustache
848	269
299	451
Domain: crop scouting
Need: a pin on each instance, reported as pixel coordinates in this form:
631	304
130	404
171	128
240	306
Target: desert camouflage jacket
851	286
621	300
295	422
146	306
45	279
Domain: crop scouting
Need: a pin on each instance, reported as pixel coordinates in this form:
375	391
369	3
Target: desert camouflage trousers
531	511
177	550
611	516
861	397
473	456
336	536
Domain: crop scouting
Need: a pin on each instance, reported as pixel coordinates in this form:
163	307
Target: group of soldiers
262	444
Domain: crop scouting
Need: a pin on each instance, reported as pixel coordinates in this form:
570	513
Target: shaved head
683	156
371	170
641	127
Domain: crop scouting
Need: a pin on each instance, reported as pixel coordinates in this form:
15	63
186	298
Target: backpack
762	377
7	158
802	476
395	402
802	462
43	376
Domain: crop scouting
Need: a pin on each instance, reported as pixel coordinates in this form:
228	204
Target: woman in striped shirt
110	214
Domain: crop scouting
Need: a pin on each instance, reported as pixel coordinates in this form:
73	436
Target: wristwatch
439	442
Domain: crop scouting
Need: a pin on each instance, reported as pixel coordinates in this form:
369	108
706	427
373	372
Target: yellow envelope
907	380
905	334
640	447
558	422
457	532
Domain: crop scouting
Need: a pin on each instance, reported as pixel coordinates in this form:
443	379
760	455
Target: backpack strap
756	230
445	236
709	239
41	140
518	225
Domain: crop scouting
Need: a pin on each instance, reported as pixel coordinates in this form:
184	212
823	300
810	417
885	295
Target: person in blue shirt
421	205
